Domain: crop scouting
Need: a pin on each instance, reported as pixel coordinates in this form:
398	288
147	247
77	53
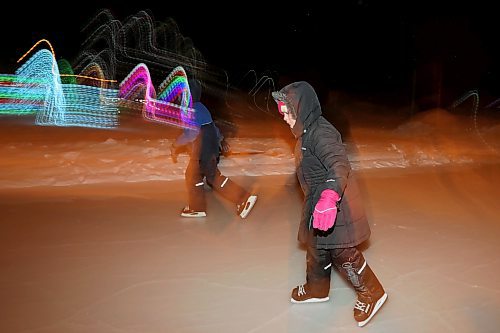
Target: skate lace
361	306
302	290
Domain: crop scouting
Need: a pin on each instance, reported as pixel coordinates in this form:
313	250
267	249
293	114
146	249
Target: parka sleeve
331	152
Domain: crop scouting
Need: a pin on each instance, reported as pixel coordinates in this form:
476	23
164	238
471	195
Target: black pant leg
194	185
227	188
319	268
353	266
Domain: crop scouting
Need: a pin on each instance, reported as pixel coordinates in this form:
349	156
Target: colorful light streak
66	71
36	88
43	67
90	106
118	46
175	105
475	106
35	45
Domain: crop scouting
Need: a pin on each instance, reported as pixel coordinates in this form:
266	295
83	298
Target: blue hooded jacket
201	115
206	137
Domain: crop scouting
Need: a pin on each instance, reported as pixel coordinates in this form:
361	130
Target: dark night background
432	52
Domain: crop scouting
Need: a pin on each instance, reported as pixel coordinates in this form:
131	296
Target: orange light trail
53	64
89	77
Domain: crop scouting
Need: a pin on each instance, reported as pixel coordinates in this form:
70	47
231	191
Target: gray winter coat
322	163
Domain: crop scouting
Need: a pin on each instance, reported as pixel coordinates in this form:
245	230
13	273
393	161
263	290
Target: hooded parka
322	163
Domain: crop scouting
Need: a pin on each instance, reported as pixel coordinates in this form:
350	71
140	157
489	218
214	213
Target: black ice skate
305	294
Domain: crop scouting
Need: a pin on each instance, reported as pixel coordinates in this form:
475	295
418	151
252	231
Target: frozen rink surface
118	258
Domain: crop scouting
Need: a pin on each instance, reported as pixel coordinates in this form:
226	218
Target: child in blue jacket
205	142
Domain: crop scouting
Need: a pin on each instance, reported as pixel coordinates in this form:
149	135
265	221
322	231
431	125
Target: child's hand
325	212
225	148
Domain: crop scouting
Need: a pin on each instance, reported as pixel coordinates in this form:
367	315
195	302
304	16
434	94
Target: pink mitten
325	211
